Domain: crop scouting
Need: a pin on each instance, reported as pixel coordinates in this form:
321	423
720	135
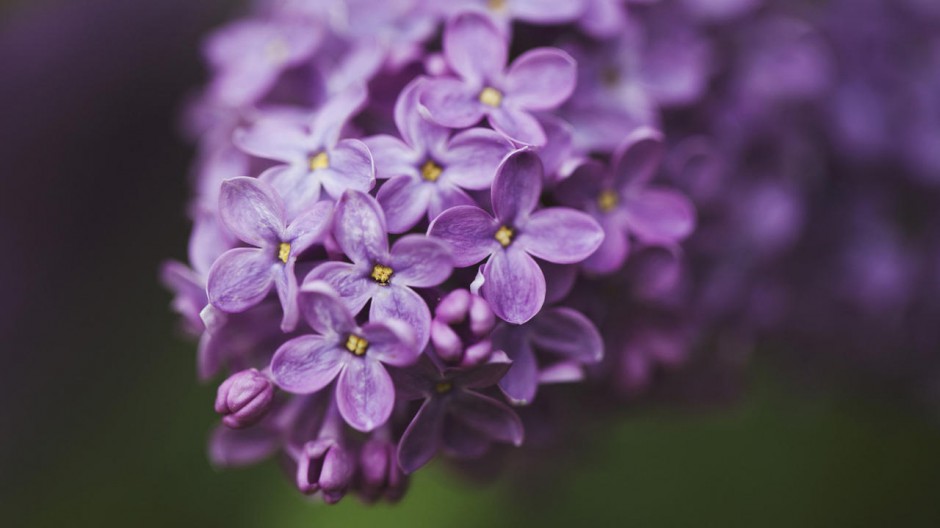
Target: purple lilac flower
540	79
242	277
315	157
428	170
454	416
344	351
460	331
514	285
624	203
385	276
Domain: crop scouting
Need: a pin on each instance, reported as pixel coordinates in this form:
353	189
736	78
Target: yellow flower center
431	171
319	161
607	200
443	387
491	97
503	236
277	51
283	251
496	5
357	345
381	274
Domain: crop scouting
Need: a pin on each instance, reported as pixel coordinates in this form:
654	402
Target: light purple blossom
344	351
533	11
475	49
514	285
386	276
242	277
427	169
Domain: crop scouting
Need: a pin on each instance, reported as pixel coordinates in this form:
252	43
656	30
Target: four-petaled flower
428	171
377	273
620	199
513	282
341	349
242	277
476	50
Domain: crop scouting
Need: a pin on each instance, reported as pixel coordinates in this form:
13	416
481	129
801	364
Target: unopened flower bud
324	465
381	475
482	318
244	398
446	342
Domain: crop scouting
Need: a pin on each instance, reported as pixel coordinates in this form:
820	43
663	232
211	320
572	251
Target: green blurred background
105	425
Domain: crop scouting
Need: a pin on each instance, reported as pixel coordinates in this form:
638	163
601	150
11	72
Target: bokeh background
103	421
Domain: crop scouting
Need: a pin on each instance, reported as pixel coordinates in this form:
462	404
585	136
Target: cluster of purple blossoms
413	219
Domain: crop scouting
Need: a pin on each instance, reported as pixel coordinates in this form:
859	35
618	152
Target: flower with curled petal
540	79
241	277
514	284
386	276
428	170
624	203
342	350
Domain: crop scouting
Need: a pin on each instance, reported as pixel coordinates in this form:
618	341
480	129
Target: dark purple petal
468	230
474	47
251	210
637	159
451	103
514	285
306	364
472	157
541	79
520	382
488	416
242	447
422	439
612	252
582	188
567	332
347	280
420	261
365	395
391	342
560	235
519	125
463	441
517	187
359	228
240	279
485	375
400	302
660	216
324	311
351	167
405	201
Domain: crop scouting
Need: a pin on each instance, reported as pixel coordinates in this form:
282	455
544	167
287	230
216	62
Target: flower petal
359	227
582	188
569	333
351	167
306	364
365	394
547	12
445	196
326	313
273	138
403	304
518	125
488	416
392	157
347	280
299	187
468	230
541	79
521	380
285	282
613	251
472	157
660	216
638	157
391	344
517	187
560	235
419	133
240	279
474	47
420	261
405	201
482	376
309	227
252	210
422	439
450	103
514	285
242	447
463	441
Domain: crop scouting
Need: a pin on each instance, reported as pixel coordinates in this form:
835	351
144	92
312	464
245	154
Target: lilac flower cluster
391	220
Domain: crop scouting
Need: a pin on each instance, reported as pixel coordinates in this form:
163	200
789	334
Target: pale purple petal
518	124
547	11
569	333
309	227
422	439
240	279
251	210
324	311
351	167
417	131
306	364
489	417
468	230
330	119
359	227
637	159
472	156
402	303
296	184
285	283
350	282
474	47
560	235
365	394
405	202
420	261
521	380
541	79
392	157
604	18
517	187
451	103
390	343
659	216
445	196
273	138
514	285
612	252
